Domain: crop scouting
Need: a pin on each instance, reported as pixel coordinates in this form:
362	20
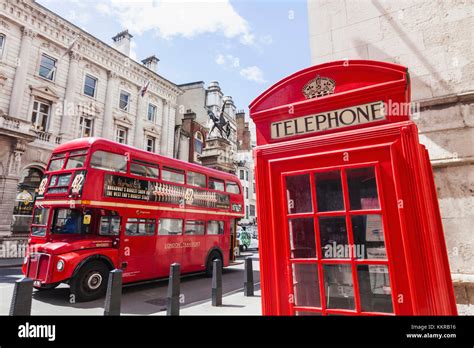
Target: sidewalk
234	303
6	263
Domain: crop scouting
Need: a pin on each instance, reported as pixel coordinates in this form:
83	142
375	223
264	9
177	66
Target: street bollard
217	283
22	297
113	298
248	283
172	307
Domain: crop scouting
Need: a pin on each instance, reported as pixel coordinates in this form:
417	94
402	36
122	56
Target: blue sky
245	45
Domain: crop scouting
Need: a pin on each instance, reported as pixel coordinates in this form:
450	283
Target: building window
198	142
40	115
121	135
247	212
150	144
242	177
26	190
151	113
85	127
90	84
2	44
124	101
247	192
252	210
246	175
47	67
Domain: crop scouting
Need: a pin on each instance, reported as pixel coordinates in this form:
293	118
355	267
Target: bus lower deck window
170	227
140	227
109	225
193	227
215	227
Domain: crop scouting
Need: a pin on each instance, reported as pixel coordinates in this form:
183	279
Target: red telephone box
349	221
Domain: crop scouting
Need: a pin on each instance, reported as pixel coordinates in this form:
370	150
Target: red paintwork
146	256
417	260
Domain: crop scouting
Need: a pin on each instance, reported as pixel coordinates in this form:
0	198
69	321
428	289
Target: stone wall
434	40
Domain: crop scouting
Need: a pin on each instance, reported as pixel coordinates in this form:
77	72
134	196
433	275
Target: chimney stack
122	42
151	63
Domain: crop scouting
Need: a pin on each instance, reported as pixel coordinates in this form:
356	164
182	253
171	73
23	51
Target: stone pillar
171	133
19	83
141	114
164	129
69	108
108	124
8	186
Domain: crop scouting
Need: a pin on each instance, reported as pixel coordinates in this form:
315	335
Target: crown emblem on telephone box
319	87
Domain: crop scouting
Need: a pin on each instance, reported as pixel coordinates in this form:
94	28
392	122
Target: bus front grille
38	266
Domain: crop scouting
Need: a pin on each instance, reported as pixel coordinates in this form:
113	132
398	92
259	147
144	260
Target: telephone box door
336	239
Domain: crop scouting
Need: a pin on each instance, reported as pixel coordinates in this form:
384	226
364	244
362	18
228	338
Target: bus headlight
60	265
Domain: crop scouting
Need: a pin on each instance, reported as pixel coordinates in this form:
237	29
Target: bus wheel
90	283
215	255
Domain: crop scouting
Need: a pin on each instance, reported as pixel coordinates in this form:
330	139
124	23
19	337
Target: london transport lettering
145	190
350	116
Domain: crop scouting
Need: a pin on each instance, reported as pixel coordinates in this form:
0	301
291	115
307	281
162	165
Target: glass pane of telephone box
368	236
333	234
362	188
374	288
329	191
298	194
302	241
338	286
306	285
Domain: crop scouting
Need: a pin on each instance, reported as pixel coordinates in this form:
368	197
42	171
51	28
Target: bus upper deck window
109	161
232	187
173	175
57	162
76	159
216	184
146	169
196	179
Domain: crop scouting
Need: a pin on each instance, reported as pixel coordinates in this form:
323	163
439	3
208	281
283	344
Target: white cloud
228	61
266	39
174	18
253	73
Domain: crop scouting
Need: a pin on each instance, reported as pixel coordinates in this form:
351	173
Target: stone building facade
245	168
201	145
58	83
434	40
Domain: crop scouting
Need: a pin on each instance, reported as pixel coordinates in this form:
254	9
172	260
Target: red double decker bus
103	205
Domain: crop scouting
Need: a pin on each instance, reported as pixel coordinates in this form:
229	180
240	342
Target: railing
43	136
15	124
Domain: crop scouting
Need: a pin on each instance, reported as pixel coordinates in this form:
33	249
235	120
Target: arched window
30	179
198	142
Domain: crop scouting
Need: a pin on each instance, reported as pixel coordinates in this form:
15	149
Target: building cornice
57	30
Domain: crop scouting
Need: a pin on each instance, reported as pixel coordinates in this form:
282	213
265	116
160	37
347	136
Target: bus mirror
86	220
